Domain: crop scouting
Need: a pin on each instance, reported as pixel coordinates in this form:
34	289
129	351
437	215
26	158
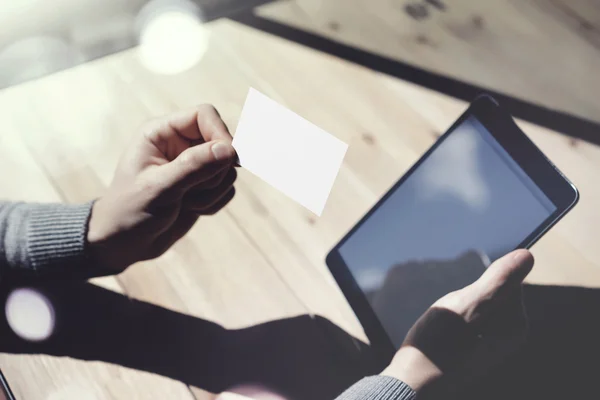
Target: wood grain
542	51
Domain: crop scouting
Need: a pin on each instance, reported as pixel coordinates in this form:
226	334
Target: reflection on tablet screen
466	205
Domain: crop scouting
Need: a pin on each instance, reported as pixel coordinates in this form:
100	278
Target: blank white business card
287	151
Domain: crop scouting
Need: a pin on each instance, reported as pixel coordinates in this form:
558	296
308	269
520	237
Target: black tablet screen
467	204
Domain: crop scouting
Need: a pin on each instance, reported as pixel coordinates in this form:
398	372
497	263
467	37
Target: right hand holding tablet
469	331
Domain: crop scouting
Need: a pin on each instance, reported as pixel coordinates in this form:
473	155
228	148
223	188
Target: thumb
196	165
505	273
499	282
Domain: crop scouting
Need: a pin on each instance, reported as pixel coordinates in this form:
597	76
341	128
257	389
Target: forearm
44	239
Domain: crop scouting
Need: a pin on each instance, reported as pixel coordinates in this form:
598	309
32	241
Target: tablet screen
466	205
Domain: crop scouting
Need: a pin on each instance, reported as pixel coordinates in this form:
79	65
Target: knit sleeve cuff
56	236
379	388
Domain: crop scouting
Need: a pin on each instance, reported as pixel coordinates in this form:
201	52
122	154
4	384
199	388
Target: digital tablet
5	392
481	191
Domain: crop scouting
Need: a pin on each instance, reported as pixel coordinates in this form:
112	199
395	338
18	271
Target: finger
219	205
182	225
206	200
227	175
201	123
506	273
163	138
215	205
196	165
209	184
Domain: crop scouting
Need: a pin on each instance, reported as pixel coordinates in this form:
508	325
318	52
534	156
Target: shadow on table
292	357
306	357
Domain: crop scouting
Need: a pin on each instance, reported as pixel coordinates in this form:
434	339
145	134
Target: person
182	167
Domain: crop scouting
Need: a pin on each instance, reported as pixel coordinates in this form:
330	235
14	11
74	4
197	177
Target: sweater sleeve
44	239
379	388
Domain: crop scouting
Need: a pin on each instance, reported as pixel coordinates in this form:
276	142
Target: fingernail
222	151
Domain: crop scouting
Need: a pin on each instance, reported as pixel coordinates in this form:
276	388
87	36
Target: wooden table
234	302
540	51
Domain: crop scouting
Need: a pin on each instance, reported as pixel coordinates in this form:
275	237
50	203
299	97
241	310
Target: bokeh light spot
171	35
249	392
30	314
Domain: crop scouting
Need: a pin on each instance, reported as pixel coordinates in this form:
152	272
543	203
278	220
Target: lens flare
171	36
249	392
30	314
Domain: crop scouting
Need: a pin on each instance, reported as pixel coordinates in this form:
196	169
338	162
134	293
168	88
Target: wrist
94	235
99	239
412	367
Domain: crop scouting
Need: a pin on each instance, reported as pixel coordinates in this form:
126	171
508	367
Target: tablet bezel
5	388
528	156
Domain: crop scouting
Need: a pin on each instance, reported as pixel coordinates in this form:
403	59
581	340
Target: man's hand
492	306
179	168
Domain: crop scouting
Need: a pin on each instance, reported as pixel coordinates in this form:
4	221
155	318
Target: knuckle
210	115
188	160
149	129
207	110
154	131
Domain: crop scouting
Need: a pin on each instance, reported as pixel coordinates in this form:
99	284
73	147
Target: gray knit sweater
51	239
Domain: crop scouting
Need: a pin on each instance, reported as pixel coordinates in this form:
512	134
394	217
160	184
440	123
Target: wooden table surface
234	303
542	51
